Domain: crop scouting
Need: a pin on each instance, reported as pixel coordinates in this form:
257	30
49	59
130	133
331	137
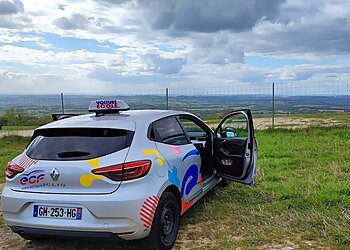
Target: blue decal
192	171
172	176
192	152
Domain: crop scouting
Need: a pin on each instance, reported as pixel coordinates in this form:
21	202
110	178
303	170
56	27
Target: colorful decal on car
86	180
149	152
148	210
26	162
176	149
185	206
192	152
33	177
172	176
190	180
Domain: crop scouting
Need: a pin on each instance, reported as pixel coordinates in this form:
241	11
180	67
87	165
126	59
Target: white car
123	174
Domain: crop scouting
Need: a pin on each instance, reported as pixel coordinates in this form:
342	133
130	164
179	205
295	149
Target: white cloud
173	43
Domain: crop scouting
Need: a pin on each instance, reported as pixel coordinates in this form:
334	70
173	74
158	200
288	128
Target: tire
165	224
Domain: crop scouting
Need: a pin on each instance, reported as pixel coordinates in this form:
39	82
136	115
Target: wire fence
286	104
281	104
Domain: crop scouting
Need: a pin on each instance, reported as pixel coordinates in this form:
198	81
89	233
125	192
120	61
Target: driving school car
123	174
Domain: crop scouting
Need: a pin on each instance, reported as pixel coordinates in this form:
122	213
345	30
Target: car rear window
77	143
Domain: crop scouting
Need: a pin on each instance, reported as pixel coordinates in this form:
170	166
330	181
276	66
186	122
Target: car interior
200	136
232	154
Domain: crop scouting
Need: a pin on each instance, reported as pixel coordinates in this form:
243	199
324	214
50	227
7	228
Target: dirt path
26	133
259	123
294	122
290	122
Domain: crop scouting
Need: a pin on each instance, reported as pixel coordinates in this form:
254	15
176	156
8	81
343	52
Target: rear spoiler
57	117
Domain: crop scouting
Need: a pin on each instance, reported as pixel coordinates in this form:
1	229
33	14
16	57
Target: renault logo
54	174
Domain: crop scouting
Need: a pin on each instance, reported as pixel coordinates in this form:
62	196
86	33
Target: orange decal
200	181
185	206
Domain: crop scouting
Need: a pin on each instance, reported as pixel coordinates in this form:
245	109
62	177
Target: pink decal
176	149
26	162
148	209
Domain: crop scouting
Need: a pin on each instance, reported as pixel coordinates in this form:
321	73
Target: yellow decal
87	179
156	153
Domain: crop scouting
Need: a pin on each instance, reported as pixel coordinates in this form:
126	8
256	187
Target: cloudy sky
105	46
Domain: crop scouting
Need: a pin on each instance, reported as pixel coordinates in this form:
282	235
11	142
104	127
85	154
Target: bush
19	117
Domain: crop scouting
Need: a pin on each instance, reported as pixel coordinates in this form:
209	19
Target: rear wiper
69	154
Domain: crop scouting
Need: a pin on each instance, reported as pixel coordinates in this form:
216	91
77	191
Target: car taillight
126	171
13	169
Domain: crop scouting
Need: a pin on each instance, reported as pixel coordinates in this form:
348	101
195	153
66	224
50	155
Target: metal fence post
273	106
62	103
167	98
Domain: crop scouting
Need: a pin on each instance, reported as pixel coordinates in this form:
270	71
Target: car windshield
77	143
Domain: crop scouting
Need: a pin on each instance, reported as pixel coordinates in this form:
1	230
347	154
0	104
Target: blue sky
101	46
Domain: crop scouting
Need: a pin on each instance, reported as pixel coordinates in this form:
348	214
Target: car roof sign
108	106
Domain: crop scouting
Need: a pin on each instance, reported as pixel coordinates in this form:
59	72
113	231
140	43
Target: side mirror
231	134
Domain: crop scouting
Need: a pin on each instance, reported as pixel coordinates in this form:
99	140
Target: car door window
235	147
170	132
234	127
193	130
201	139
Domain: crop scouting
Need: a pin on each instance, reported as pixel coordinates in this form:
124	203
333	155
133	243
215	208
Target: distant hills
201	105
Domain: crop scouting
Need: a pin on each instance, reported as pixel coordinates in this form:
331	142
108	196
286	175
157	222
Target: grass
10	147
11	128
301	199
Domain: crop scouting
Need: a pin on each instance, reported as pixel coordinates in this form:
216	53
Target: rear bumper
25	231
115	214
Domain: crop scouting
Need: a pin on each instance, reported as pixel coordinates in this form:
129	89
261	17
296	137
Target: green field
10	146
301	200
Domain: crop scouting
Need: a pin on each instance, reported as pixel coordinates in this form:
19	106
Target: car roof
126	119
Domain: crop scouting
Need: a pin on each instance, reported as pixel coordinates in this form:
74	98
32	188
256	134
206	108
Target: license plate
56	212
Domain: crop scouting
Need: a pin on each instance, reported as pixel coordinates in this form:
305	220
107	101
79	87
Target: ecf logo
33	177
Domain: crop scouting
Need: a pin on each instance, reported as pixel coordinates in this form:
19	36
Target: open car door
235	149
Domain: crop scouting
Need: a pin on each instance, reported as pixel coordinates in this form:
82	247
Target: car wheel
166	223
